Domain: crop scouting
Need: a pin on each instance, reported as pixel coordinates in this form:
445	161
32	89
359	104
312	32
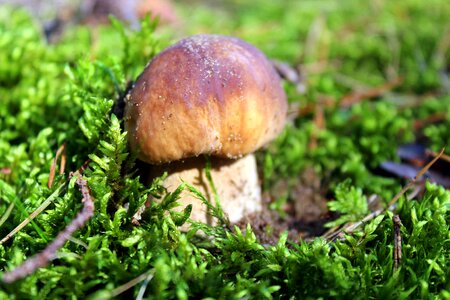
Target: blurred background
366	42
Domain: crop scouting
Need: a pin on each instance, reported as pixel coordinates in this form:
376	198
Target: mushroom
207	95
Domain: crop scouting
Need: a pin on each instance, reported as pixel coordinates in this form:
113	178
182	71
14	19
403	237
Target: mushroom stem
236	182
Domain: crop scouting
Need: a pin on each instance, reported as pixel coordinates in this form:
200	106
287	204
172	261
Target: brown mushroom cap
207	94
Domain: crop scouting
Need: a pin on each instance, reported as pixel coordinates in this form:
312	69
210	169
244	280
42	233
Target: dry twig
44	205
435	154
42	259
147	276
416	178
433	118
338	232
51	177
319	122
348	100
34	214
397	242
357	96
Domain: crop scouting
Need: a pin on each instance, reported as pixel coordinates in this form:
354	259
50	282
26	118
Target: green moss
64	93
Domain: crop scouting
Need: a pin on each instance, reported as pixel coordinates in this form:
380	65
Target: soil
306	211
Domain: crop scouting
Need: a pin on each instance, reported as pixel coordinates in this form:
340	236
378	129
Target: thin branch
146	276
434	154
433	118
416	178
51	176
319	122
46	203
338	232
35	213
62	164
356	96
42	259
397	242
348	100
144	285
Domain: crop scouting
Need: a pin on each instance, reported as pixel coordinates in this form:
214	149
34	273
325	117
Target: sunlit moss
53	94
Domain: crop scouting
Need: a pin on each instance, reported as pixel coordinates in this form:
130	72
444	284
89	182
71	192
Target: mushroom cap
207	94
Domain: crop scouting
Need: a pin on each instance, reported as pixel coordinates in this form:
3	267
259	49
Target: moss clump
65	92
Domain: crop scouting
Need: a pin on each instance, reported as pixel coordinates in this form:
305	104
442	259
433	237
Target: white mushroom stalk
236	182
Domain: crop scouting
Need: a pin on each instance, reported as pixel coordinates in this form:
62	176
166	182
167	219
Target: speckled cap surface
207	94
